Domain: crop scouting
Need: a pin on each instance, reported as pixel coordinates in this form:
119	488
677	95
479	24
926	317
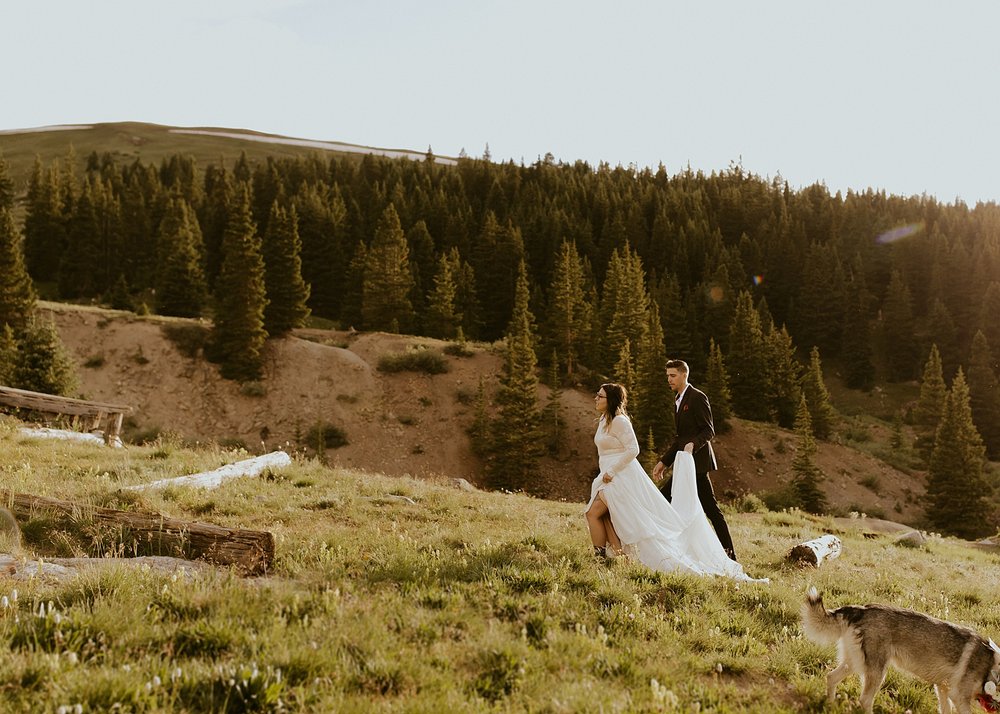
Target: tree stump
814	552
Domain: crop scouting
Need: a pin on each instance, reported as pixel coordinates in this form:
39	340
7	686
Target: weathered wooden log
96	412
814	552
211	479
250	551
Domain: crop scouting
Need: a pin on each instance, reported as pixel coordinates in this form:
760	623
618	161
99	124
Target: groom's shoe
732	554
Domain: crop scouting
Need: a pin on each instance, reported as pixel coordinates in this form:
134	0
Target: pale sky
896	95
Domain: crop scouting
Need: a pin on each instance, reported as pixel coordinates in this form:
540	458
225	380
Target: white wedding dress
672	536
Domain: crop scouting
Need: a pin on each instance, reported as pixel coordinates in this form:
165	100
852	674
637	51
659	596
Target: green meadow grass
458	602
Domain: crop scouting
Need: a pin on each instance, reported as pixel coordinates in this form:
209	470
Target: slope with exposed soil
403	423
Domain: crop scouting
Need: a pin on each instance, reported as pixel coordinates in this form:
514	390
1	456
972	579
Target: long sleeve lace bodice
619	439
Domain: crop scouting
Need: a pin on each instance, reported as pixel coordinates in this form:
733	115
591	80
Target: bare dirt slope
404	423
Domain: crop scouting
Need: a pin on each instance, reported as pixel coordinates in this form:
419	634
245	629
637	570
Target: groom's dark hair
678	364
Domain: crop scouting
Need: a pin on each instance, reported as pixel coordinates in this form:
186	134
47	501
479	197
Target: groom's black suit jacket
693	420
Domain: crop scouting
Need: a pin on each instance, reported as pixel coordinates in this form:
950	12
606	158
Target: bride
627	513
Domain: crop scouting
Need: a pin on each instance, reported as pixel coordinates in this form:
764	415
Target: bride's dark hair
617	400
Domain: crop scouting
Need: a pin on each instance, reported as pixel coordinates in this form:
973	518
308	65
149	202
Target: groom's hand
689	447
658	470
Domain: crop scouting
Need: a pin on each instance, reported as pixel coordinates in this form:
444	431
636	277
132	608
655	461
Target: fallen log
211	479
250	551
814	552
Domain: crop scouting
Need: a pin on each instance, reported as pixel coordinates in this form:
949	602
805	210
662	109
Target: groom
693	419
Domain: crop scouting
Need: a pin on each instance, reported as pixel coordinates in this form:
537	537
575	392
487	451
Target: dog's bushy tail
818	623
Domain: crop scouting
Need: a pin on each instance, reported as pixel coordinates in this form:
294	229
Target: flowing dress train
663	535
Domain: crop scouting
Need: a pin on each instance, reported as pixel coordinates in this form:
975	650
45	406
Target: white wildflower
4	602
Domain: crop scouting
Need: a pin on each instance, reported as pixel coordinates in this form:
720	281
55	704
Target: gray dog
960	664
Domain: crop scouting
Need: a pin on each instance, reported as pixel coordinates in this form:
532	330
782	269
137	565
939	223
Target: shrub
870	482
413	361
94	361
749	503
188	339
857	431
458	349
253	389
326	436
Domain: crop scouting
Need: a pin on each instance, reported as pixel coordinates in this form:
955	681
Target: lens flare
899	233
758	279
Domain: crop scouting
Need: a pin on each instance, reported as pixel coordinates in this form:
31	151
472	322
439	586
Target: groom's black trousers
706	494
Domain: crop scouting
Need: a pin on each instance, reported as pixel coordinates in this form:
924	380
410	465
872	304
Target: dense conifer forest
599	272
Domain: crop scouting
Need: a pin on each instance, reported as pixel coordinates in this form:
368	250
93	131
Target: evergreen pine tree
17	293
984	394
44	224
6	187
624	374
287	292
8	355
388	282
806	476
569	313
180	286
424	267
42	363
716	388
553	423
942	331
119	297
956	487
442	320
79	264
516	436
238	333
897	329
781	380
624	303
350	310
653	411
479	430
817	397
930	405
746	361
988	323
466	296
856	344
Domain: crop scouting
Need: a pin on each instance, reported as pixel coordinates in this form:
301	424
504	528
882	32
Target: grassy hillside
393	594
128	141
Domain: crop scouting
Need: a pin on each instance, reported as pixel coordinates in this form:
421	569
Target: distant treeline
872	280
